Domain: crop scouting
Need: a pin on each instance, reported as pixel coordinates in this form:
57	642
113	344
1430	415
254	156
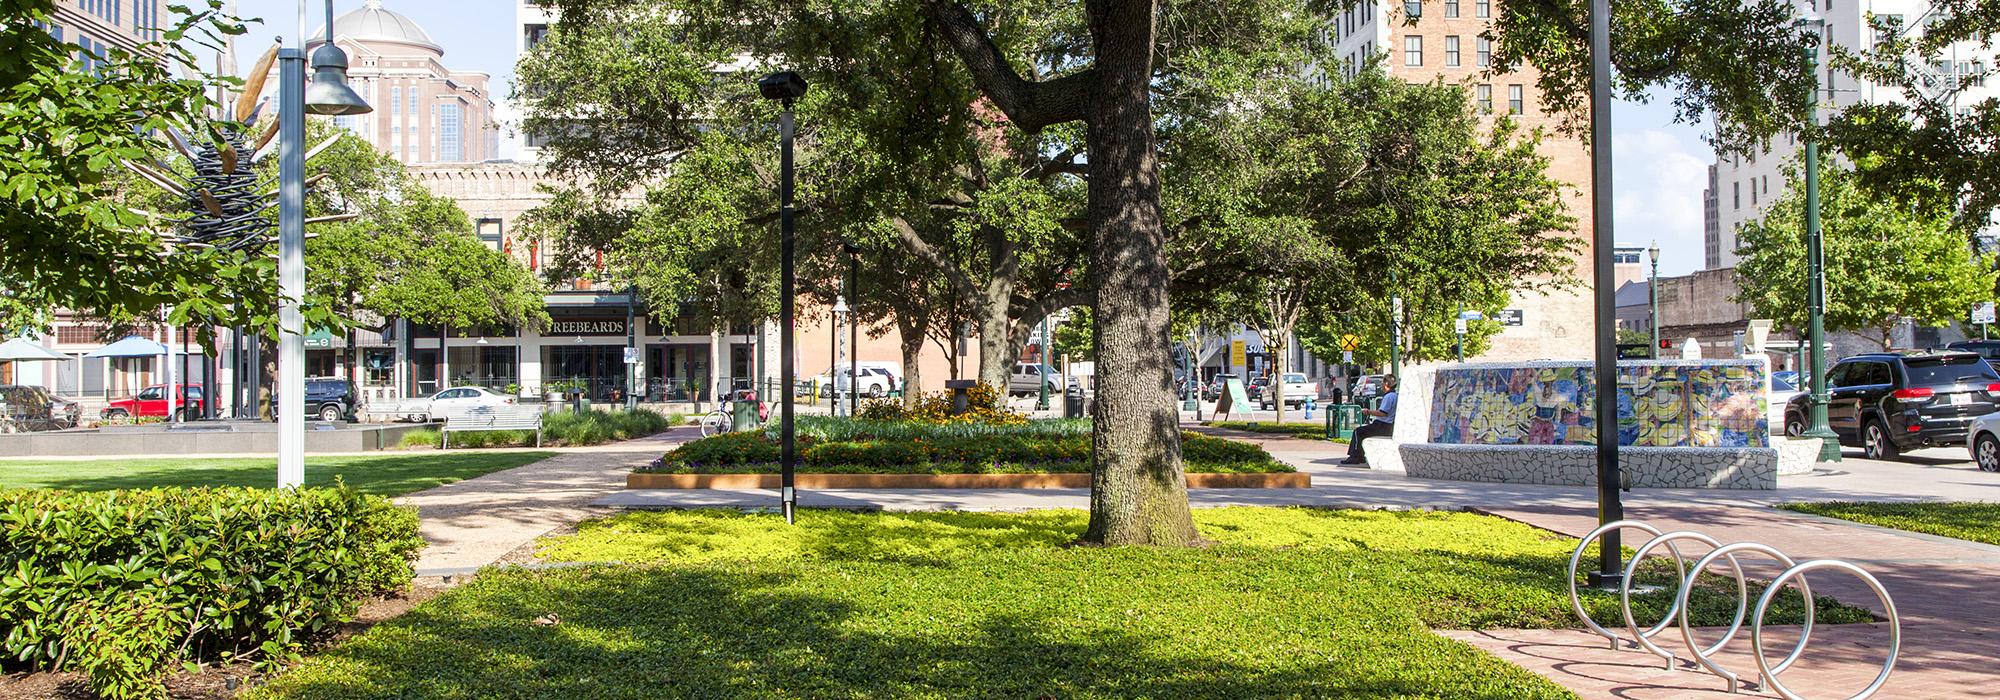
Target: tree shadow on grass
741	632
387	475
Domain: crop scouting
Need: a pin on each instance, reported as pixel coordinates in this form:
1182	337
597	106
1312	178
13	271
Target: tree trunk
995	360
912	337
1275	343
1138	489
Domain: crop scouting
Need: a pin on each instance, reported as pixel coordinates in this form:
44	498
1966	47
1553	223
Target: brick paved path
1944	591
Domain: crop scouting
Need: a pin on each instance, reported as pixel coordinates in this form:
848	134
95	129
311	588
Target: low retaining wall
154	440
1294	480
1576	465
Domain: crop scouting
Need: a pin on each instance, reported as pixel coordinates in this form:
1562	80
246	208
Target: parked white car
1982	437
450	402
1781	396
1029	378
1297	390
877	379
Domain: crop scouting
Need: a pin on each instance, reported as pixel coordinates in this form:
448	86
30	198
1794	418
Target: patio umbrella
130	346
22	350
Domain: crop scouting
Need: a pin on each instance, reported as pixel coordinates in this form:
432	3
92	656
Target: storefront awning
130	346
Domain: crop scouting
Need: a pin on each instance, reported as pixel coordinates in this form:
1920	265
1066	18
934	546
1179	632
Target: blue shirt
1388	408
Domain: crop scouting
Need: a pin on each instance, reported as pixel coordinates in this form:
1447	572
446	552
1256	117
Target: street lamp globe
328	93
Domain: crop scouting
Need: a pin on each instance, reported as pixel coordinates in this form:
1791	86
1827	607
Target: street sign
1983	312
1350	343
1239	355
1347	356
631	356
1458	325
1510	317
1471	316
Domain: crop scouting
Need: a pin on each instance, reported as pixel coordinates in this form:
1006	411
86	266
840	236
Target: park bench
493	418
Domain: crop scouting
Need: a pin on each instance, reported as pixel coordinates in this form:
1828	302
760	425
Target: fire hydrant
1309	407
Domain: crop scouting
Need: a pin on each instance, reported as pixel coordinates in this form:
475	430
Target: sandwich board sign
1233	397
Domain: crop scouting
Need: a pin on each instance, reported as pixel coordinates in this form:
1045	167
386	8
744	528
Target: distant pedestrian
1383	425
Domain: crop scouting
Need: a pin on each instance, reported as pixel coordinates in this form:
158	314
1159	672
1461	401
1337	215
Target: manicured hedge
560	428
942	452
123	586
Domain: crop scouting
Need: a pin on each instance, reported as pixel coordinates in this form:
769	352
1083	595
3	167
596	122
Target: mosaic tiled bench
1576	465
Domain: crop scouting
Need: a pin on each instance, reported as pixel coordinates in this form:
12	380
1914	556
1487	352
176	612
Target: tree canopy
1885	261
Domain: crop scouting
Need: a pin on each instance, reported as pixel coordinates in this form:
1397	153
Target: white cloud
1657	181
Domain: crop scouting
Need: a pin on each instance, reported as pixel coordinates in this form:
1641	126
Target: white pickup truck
1298	390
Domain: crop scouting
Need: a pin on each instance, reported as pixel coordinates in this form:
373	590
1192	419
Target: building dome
371	23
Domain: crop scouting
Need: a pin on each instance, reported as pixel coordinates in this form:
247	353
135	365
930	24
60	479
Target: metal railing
1704	655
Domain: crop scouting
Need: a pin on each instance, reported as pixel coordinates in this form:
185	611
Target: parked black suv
1894	401
327	399
1989	349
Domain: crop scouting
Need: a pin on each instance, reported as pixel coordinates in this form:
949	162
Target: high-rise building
1744	184
1448	42
95	25
1711	225
425	112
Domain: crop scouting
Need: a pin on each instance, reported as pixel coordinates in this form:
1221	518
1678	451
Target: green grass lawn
1978	522
388	475
1285	603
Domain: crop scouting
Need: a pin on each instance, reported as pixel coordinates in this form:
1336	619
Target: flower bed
836	446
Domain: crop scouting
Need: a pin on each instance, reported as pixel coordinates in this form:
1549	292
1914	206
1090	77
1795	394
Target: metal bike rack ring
1679	607
1777	584
1575	558
1701	655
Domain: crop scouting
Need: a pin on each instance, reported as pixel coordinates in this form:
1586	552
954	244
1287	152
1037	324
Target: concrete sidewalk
475	522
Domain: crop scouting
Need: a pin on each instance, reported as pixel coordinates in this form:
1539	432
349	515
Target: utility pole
1610	507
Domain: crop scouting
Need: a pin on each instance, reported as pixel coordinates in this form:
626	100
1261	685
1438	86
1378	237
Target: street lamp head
1809	22
784	86
840	305
1653	253
328	92
851	249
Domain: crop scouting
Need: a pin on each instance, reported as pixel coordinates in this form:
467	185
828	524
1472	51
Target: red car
152	401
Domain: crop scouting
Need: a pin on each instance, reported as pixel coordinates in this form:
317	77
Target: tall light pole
631	348
328	95
853	328
1610	572
1042	372
786	87
1817	427
840	312
1653	289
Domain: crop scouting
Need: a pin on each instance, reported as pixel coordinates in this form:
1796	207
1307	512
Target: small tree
1885	261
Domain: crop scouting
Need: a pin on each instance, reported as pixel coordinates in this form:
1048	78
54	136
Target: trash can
1073	403
1343	418
744	415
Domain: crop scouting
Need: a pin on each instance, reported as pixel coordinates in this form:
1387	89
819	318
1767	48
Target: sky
1659	168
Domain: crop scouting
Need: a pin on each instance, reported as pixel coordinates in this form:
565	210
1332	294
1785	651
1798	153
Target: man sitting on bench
1383	425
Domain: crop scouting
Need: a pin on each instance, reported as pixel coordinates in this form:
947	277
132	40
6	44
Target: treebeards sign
587	326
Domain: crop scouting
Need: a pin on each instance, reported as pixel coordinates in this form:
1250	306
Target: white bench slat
487	418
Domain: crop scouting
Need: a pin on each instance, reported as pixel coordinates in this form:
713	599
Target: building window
1483	52
1485	99
451	133
1413	51
534	34
1451	51
492	233
1482	8
1451	9
413	102
395	100
1887	27
1767	184
1736	194
1514	100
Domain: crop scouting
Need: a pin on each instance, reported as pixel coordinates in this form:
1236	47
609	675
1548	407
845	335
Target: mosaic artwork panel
1658	406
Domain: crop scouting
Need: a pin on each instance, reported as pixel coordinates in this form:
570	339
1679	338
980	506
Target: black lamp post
1610	572
786	87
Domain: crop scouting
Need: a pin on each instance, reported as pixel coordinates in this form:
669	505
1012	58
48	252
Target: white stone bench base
1576	465
1383	454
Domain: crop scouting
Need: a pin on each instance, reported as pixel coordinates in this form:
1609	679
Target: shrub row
735	453
122	586
562	428
1309	431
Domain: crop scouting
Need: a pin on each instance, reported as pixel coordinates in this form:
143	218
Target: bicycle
722	420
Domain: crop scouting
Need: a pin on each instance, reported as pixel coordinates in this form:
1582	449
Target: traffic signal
1666	344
